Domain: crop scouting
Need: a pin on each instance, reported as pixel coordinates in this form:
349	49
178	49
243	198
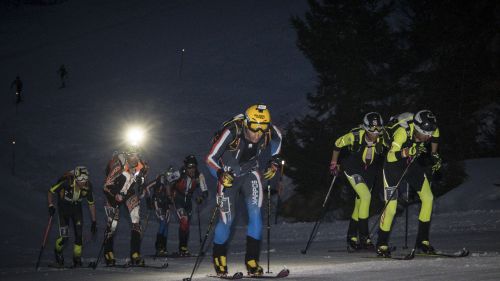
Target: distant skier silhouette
19	87
63	73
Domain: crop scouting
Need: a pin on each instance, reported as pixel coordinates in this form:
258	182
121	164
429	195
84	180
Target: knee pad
134	215
64	231
225	209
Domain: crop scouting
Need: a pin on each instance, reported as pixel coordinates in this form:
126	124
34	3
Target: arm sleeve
203	184
56	187
217	150
399	138
276	139
435	136
343	141
90	195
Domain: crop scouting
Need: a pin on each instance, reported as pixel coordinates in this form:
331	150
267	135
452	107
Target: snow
123	59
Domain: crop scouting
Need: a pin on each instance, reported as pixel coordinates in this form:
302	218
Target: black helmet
190	161
373	123
425	122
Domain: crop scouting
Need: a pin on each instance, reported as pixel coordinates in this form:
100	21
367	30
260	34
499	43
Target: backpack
401	120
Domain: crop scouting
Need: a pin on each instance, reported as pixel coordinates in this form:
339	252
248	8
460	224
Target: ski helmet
425	122
257	118
81	173
172	174
190	161
373	123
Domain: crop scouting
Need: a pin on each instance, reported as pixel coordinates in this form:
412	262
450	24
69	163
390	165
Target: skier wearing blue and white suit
234	160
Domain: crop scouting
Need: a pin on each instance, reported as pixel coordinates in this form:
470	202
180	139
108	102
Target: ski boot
353	243
366	243
109	257
220	266
184	252
161	253
135	259
383	251
59	258
77	261
426	247
253	268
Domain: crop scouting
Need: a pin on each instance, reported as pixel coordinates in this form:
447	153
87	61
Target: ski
282	274
129	265
58	266
351	250
459	254
177	255
237	275
410	256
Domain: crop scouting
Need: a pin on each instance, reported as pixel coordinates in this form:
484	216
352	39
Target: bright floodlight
135	136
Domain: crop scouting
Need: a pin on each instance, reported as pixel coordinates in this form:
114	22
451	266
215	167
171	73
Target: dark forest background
393	57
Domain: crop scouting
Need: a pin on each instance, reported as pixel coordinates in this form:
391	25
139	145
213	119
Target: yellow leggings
426	197
362	203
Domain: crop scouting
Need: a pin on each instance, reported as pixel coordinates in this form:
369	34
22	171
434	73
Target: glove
52	210
436	159
159	214
270	172
408	152
119	197
199	200
139	179
413	151
334	168
226	178
93	228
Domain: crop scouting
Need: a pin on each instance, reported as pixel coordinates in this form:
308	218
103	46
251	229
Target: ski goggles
422	131
374	129
81	174
256	126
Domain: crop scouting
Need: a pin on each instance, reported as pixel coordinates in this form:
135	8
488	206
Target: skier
63	73
409	135
366	145
126	171
70	189
19	87
182	191
161	201
233	159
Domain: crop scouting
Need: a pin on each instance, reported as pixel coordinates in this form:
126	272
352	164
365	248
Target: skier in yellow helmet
234	161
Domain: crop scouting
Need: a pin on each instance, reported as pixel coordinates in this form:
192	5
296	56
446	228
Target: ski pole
318	221
392	196
47	230
280	189
106	234
406	215
406	227
210	224
199	222
268	225
411	255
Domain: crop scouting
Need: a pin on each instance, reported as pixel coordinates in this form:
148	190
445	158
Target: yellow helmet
257	118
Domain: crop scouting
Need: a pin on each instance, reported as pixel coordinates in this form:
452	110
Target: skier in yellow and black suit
409	134
71	189
360	167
